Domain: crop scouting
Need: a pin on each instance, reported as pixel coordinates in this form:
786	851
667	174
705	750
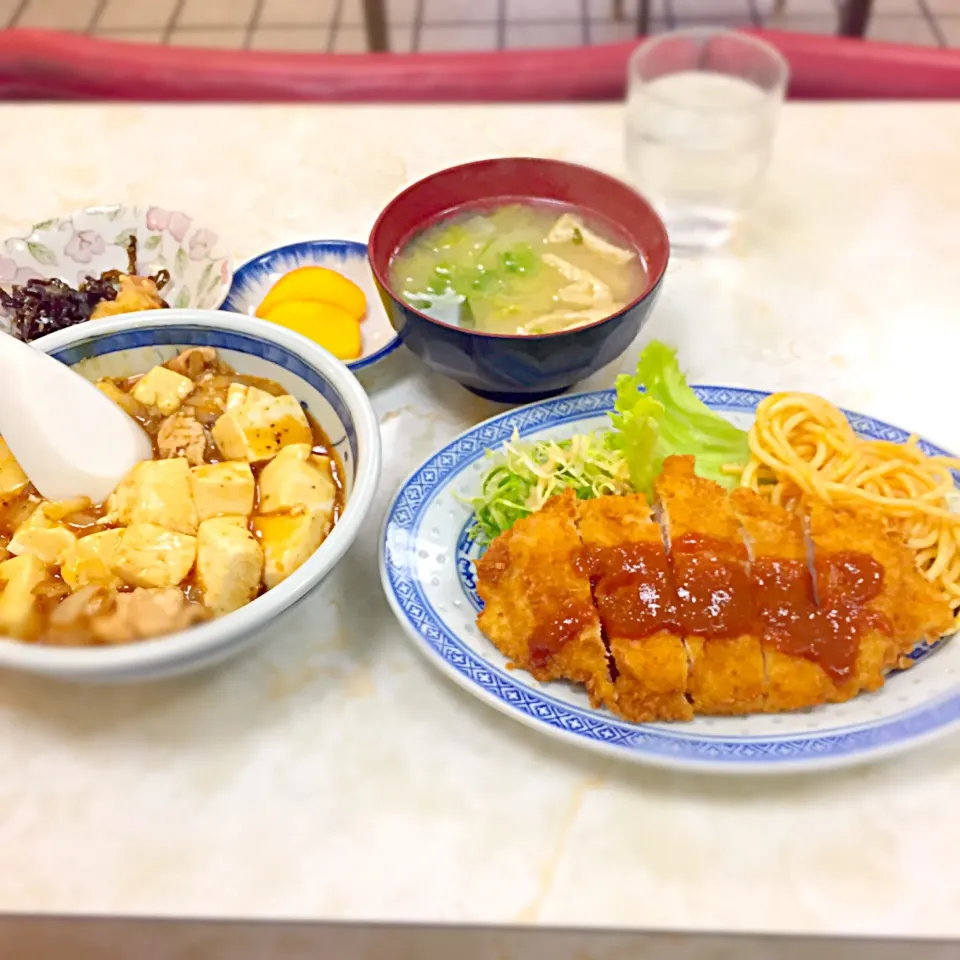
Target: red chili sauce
708	589
557	622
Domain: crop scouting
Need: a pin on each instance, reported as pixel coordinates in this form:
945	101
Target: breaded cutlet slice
834	532
538	607
710	568
922	611
912	606
633	592
779	566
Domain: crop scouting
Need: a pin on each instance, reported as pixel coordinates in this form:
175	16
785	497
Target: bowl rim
262	260
653	282
359	245
200	643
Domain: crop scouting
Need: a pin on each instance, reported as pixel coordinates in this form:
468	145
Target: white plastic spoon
70	439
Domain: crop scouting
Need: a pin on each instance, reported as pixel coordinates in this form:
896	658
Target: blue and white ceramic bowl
253	280
133	343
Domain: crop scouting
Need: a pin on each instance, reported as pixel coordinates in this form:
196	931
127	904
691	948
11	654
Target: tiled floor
338	25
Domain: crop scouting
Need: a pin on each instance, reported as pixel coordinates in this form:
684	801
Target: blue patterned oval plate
426	566
253	280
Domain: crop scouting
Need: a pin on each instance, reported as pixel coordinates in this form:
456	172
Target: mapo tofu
243	487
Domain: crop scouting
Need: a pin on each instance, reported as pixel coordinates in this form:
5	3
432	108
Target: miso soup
518	269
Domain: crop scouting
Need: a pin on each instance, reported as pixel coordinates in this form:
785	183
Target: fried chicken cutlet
787	602
749	608
717	602
633	591
840	603
538	606
907	607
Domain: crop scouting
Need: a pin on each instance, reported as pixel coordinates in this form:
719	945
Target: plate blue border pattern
651	743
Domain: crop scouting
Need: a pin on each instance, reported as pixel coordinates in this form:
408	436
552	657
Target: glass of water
702	108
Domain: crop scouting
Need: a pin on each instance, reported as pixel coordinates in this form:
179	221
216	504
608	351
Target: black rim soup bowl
518	368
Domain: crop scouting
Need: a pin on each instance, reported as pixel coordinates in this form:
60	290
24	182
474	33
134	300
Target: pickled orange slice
325	323
316	284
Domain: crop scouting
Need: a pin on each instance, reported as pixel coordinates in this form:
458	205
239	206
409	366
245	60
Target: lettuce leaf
658	415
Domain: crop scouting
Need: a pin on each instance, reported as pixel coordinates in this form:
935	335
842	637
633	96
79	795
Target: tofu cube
223	489
90	560
229	564
239	394
256	425
149	555
19	577
42	537
163	389
296	480
155	491
13	481
288	540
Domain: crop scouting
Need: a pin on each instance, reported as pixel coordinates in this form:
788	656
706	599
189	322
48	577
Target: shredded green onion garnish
525	475
656	415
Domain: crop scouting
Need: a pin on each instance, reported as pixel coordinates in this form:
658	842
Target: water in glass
698	141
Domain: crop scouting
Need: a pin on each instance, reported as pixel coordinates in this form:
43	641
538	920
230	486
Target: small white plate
94	240
253	280
426	566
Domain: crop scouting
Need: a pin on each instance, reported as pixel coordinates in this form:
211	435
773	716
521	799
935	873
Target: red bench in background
47	65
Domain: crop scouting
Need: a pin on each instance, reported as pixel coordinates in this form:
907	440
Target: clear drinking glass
702	108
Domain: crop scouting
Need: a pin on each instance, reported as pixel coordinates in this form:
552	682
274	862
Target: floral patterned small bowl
94	240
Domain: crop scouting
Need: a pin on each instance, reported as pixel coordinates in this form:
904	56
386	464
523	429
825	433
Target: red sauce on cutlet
555	624
854	577
708	589
847	583
632	588
703	589
787	611
829	633
786	601
715	597
558	615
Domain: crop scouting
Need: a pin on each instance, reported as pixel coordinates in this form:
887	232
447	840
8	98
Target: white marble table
334	775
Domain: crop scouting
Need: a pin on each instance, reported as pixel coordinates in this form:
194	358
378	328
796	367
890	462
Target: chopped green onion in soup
518	269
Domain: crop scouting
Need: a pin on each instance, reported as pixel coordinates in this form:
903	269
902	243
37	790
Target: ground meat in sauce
182	435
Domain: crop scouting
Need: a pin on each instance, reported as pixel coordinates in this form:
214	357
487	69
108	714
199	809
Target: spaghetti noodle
803	447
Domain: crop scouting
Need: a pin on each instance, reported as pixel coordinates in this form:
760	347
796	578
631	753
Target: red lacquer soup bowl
518	368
